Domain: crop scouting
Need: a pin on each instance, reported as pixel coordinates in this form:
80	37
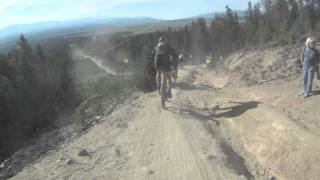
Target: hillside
242	120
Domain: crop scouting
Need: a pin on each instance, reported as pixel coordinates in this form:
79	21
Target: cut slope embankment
263	113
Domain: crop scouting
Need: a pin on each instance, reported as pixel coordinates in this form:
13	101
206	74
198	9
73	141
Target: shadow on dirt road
212	114
237	110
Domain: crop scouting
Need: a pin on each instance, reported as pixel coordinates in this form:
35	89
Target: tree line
34	90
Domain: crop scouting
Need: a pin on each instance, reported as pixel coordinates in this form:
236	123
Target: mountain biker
191	59
310	60
164	59
208	60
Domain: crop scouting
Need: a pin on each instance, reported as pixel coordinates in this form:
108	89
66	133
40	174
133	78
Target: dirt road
209	131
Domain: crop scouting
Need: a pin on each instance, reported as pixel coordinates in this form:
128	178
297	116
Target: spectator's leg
311	72
318	73
305	80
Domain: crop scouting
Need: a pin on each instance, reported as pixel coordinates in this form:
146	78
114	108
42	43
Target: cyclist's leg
163	78
169	82
158	79
172	75
163	88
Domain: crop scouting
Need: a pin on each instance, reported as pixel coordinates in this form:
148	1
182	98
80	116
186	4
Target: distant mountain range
87	26
83	24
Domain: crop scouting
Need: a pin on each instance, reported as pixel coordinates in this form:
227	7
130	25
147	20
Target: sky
31	11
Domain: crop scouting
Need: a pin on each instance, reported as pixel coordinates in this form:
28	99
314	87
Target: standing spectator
310	61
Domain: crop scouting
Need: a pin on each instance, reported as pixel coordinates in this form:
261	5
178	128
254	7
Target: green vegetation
35	90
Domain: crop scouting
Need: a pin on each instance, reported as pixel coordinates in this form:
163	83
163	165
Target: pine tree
40	53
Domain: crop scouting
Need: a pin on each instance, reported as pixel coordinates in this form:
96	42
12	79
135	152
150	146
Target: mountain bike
165	90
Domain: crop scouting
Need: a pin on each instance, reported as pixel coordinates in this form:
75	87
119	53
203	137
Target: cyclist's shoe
306	95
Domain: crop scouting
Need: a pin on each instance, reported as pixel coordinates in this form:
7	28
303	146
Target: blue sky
31	11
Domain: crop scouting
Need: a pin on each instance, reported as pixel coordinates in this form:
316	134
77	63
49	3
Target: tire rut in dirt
235	161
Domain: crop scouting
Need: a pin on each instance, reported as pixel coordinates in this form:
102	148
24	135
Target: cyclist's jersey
162	54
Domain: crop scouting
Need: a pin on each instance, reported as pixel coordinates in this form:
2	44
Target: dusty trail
211	130
175	148
141	141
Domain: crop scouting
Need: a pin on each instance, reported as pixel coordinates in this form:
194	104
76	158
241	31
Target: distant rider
208	60
181	59
191	59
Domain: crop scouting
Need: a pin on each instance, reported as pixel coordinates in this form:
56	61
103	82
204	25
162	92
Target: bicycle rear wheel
163	99
163	89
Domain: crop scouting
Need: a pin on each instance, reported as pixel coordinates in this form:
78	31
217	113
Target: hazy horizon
16	12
